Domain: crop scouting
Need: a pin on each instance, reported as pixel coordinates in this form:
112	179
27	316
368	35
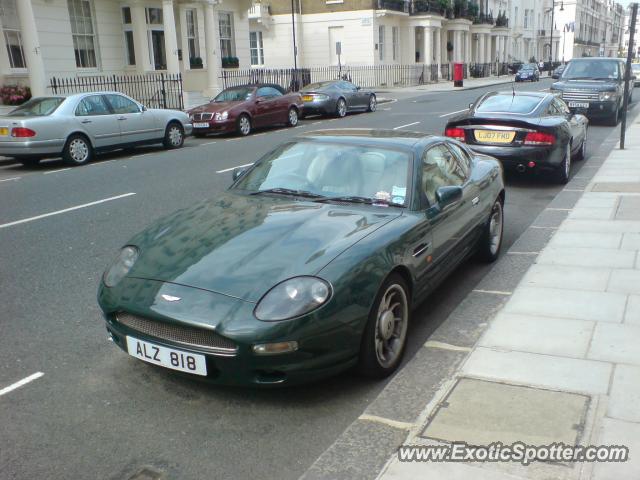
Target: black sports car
524	130
528	72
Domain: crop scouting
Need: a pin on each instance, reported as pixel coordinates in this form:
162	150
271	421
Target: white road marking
315	123
543	228
56	171
207	143
10	179
446	346
492	292
453	113
386	421
523	253
233	168
12	165
407	125
58	212
21	383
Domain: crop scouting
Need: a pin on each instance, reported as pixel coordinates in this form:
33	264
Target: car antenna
513	87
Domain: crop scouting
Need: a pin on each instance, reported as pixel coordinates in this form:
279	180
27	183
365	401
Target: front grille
197	337
580	95
202	116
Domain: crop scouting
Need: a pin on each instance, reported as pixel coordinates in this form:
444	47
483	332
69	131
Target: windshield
594	70
508	103
332	170
635	67
37	107
235	94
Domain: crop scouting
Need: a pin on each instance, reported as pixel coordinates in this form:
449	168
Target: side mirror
358	88
448	195
238	172
470	106
143	108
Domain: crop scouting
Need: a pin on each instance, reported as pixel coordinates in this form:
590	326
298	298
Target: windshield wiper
356	199
289	191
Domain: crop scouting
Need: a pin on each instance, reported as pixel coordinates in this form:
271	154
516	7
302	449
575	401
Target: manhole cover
621	187
629	209
480	412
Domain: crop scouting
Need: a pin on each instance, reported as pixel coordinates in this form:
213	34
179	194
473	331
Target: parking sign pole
627	73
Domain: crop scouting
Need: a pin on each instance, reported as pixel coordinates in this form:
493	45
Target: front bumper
225	126
513	156
30	148
326	346
596	109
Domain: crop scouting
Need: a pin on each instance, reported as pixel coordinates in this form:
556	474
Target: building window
256	48
83	33
192	33
381	42
155	37
225	23
130	51
12	35
154	16
395	42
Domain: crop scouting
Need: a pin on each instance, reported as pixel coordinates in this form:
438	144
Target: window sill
17	72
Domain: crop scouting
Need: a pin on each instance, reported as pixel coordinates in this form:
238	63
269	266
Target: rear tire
384	339
490	242
373	104
582	153
173	136
341	108
564	169
77	151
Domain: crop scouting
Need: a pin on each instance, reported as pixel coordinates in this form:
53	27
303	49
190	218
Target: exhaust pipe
520	168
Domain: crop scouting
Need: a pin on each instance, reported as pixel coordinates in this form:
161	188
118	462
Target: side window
93	105
463	159
552	109
562	107
347	87
122	104
439	169
268	92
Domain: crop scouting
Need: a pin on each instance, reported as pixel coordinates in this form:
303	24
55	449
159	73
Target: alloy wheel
391	325
293	117
175	136
342	108
245	125
373	104
495	229
567	161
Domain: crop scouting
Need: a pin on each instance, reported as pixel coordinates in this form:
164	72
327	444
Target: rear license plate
201	125
493	136
167	357
307	98
4	131
578	105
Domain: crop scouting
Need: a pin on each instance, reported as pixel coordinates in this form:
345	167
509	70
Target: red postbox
458	74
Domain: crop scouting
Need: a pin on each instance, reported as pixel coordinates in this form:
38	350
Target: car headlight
222	116
121	266
292	298
605	96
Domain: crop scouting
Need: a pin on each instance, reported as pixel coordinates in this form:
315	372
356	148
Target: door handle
420	249
86	121
122	118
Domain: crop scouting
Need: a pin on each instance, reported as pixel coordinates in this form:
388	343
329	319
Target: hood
591	85
241	245
213	107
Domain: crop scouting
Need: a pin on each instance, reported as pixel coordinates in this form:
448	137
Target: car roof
377	137
522	93
258	85
597	59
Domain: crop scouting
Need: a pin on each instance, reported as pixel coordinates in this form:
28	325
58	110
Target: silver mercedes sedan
78	126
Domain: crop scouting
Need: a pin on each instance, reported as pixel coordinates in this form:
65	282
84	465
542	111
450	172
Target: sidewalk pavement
560	361
447	86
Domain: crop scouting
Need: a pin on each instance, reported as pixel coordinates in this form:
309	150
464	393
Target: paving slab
619	432
619	226
565	303
595	202
587	257
632	315
624	397
588	240
624	281
442	471
570	374
550	336
616	343
628	209
556	276
592	213
630	241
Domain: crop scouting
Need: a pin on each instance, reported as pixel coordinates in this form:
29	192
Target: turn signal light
22	132
539	138
457	133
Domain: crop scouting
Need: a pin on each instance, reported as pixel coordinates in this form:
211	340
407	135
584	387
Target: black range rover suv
594	87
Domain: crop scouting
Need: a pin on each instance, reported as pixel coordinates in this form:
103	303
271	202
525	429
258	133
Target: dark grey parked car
337	97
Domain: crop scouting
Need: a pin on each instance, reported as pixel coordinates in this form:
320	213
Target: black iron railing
480	70
422	7
397	5
154	90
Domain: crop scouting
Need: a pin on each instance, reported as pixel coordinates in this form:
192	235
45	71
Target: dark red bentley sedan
243	108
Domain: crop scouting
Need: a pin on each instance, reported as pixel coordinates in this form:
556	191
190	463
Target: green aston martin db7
310	263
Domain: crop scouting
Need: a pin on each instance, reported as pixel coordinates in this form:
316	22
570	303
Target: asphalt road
98	414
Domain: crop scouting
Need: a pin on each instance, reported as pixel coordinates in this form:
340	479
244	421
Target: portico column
457	46
140	38
487	55
481	49
170	40
31	48
428	45
438	51
467	56
211	44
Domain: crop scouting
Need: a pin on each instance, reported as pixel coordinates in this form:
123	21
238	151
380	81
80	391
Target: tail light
457	133
22	132
539	138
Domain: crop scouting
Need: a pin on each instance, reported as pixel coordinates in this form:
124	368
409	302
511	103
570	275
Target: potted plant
195	62
15	94
230	62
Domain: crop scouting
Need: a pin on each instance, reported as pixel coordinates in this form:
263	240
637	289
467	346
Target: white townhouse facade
627	32
75	38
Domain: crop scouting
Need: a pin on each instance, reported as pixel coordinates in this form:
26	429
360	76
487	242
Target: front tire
292	117
173	136
244	125
77	151
612	121
373	104
341	108
385	335
491	240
